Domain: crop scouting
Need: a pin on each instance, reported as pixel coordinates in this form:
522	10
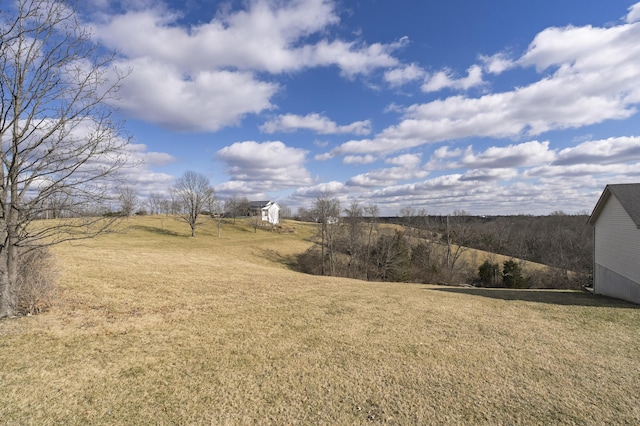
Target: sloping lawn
155	327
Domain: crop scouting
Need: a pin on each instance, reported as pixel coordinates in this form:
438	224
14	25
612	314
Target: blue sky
488	106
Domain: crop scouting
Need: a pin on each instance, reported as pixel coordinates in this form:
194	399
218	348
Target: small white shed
616	223
269	211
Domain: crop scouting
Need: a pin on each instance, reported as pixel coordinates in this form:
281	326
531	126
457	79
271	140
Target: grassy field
155	327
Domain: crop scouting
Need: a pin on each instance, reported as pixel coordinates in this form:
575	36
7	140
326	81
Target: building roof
628	194
260	204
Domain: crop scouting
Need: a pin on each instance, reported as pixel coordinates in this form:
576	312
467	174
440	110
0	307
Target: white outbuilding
616	223
269	211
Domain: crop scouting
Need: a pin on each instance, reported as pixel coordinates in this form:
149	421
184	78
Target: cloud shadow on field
288	261
553	297
156	230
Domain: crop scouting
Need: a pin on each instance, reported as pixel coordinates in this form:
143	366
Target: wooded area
417	247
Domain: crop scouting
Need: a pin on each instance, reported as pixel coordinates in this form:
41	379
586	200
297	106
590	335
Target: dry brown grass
159	328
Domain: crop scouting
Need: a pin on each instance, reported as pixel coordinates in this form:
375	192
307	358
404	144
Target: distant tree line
355	242
561	241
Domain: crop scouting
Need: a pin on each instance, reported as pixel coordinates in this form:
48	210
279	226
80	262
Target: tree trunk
322	246
8	300
8	278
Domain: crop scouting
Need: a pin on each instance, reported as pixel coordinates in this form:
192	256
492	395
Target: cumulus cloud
404	74
515	155
634	14
484	192
489	175
405	160
149	158
445	79
267	166
608	151
359	159
407	168
260	38
314	122
142	177
385	177
497	64
591	76
204	77
207	101
445	152
313	191
581	171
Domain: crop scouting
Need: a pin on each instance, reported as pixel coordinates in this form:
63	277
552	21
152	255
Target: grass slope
155	327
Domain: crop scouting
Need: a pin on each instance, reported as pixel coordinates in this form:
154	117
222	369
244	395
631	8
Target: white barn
616	223
269	211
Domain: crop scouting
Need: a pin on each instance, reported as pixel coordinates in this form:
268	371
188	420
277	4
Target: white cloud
268	166
359	159
444	152
609	151
406	160
313	191
261	37
581	171
404	74
324	156
386	177
150	158
497	64
634	14
204	77
352	58
444	79
207	101
407	169
516	155
314	122
489	175
141	177
594	78
484	192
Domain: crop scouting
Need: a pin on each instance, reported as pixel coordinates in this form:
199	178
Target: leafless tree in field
237	206
194	194
458	229
128	200
354	229
157	203
326	209
58	140
372	212
255	220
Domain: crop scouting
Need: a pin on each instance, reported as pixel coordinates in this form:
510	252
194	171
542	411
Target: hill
156	327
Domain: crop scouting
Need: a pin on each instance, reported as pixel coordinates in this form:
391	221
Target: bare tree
236	206
353	220
372	212
217	212
58	140
458	229
285	211
157	203
55	206
194	193
128	200
255	221
327	212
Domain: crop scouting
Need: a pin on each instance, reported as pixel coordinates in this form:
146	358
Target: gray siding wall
617	250
615	285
